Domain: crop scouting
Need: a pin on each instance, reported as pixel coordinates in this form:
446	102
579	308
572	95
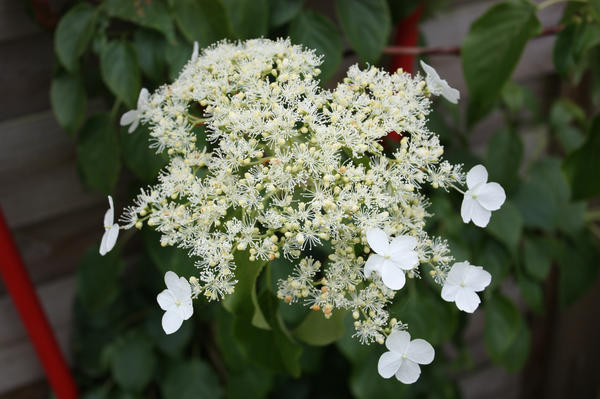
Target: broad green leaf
349	346
537	256
192	379
366	383
506	225
366	24
491	50
513	96
172	344
167	258
251	382
535	200
68	99
532	292
120	71
203	21
143	161
177	55
505	145
133	362
150	50
316	31
495	259
98	154
582	166
248	18
150	14
514	357
73	34
572	44
98	279
317	330
283	11
578	271
502	325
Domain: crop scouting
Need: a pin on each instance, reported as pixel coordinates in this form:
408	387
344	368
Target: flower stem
457	189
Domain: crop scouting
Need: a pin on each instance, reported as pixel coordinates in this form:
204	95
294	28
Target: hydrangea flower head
404	357
462	283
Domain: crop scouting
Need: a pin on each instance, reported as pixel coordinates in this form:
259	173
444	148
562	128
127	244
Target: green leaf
150	14
248	18
582	166
402	9
172	344
177	55
513	96
143	161
98	154
572	44
537	256
349	346
68	98
203	21
73	34
578	263
495	260
98	279
366	24
502	326
316	31
251	382
193	379
150	50
283	11
506	225
366	383
562	114
537	205
532	293
514	357
167	258
120	71
491	50
505	144
133	362
317	330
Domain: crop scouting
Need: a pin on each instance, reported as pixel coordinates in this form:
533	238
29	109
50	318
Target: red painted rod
19	286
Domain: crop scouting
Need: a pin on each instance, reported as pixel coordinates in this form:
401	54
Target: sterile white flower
391	259
461	284
176	301
481	197
438	86
195	52
111	229
132	117
404	357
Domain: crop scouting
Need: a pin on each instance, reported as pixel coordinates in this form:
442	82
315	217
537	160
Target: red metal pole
20	288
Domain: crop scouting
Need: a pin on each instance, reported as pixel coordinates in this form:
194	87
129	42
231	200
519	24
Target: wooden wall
54	218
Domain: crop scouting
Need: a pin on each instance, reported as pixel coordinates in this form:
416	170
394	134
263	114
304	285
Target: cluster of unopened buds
290	170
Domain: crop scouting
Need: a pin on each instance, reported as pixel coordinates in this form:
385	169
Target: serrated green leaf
192	379
316	31
68	99
491	50
366	24
582	166
203	21
248	18
283	11
506	225
98	154
150	14
143	161
316	330
73	34
132	362
150	50
120	71
504	145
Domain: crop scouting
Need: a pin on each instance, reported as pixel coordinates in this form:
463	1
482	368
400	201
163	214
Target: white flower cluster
288	167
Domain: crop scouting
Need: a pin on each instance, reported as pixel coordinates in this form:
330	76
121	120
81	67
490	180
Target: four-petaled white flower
176	301
461	284
481	197
438	86
391	259
111	229
404	357
133	116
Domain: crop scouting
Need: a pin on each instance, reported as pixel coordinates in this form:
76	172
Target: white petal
398	341
402	244
392	276
466	209
186	309
111	238
388	364
477	175
407	260
373	264
449	292
408	372
166	300
109	216
195	52
378	240
171	321
420	351
182	289
478	278
142	99
128	117
467	300
103	247
458	273
171	281
491	196
133	126
449	93
430	71
480	215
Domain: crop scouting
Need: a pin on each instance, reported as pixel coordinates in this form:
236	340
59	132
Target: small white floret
176	301
111	229
438	86
481	197
404	357
133	116
461	284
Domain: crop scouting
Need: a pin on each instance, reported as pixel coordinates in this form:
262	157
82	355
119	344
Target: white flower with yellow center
176	301
481	197
404	357
438	86
111	229
391	259
461	284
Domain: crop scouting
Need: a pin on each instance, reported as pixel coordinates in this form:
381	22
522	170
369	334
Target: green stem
115	109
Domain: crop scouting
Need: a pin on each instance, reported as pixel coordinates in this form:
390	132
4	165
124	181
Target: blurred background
536	336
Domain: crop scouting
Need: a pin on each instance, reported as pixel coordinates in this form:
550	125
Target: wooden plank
14	21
